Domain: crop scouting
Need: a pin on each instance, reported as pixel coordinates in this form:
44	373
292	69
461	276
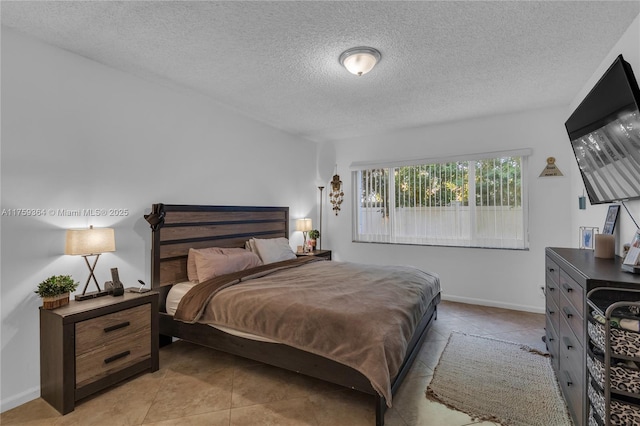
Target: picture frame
587	237
633	255
635	241
611	219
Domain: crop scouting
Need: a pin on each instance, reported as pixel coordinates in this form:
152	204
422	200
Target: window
466	201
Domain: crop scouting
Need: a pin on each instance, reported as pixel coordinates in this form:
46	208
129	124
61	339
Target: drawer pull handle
552	270
567	312
567	343
567	288
117	326
551	312
569	381
116	357
552	288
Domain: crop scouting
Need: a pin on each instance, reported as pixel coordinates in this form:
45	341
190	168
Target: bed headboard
176	228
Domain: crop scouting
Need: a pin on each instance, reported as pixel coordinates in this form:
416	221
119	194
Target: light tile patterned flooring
198	386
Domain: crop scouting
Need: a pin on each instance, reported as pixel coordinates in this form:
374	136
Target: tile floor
199	386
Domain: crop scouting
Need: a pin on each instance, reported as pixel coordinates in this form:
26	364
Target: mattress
179	290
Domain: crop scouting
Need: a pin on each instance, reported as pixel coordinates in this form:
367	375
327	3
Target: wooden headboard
176	228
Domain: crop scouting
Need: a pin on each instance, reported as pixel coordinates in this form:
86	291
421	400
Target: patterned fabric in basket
593	421
622	414
623	342
622	378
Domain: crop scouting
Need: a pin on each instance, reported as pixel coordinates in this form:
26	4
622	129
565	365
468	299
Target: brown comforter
362	316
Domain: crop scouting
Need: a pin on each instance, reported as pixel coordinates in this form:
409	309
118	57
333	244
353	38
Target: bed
178	228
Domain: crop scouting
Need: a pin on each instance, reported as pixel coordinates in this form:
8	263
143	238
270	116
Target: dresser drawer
552	280
116	355
573	395
553	312
572	372
572	291
571	350
97	332
571	316
571	355
551	337
553	270
552	291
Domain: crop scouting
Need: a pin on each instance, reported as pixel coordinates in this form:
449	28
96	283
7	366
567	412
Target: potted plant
314	234
55	290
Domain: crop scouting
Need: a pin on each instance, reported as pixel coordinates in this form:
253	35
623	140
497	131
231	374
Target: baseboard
21	398
494	304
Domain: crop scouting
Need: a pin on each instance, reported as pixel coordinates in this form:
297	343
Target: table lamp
305	226
90	242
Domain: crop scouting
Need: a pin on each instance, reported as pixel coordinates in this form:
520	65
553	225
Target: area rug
498	381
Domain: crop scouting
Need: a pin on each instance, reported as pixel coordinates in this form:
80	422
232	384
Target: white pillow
250	246
176	293
273	249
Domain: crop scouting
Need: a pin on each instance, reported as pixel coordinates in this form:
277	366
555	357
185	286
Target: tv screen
605	136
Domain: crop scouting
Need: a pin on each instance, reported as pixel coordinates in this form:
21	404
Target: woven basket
53	302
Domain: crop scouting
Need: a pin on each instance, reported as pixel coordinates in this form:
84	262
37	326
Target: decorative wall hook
336	195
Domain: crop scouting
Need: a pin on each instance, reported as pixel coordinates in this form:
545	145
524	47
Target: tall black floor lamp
321	234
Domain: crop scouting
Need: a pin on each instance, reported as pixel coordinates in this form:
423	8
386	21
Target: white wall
629	47
506	278
79	135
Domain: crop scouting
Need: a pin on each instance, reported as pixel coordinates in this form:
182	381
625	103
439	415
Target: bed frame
176	228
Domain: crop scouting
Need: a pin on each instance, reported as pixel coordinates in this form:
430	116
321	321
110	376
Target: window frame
357	167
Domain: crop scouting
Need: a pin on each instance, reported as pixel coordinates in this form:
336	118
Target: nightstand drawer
97	332
116	355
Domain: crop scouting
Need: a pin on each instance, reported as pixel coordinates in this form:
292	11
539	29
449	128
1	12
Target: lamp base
92	295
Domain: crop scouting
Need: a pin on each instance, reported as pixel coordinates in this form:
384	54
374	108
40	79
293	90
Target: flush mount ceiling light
359	60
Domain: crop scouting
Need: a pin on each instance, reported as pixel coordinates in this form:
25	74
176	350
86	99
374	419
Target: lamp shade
90	241
360	60
304	225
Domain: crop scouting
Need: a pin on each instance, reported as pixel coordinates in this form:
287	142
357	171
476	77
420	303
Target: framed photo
635	242
633	255
587	237
610	221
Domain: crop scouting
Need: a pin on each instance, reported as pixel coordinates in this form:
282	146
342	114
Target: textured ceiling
277	62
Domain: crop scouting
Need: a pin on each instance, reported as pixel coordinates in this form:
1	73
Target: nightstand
319	253
90	345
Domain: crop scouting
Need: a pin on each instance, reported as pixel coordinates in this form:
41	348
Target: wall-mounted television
605	136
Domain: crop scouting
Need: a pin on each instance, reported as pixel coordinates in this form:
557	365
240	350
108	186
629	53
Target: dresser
569	275
88	346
